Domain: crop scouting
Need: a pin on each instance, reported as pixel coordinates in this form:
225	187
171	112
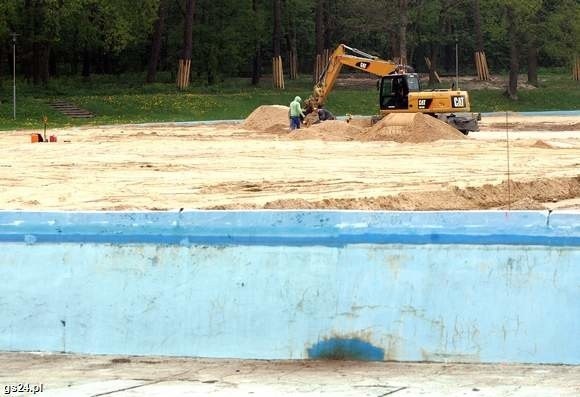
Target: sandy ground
224	166
92	376
515	121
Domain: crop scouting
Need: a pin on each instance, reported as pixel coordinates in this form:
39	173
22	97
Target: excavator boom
345	55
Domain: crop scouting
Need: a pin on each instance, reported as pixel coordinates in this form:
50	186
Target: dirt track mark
236	187
524	195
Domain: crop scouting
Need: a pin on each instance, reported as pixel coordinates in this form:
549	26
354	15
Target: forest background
126	60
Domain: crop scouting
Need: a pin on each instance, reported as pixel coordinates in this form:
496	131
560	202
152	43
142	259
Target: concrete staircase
70	110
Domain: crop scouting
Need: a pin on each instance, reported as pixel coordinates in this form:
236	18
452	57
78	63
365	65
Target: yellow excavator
399	90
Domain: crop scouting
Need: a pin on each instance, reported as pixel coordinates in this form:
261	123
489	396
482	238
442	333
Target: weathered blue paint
292	284
346	349
291	228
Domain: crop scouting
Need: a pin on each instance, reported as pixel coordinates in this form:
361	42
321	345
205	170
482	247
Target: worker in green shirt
295	113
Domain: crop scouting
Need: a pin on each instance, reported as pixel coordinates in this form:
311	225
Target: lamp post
13	34
457	61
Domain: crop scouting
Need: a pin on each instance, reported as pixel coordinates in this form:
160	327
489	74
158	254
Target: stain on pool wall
405	286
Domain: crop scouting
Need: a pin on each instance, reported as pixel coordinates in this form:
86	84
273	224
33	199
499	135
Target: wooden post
317	67
179	73
293	64
321	63
325	59
187	71
576	69
281	71
432	71
481	66
183	71
485	66
278	82
277	72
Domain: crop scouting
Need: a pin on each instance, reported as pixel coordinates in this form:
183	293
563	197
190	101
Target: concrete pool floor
122	376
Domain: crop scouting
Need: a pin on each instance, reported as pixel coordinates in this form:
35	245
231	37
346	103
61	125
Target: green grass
125	99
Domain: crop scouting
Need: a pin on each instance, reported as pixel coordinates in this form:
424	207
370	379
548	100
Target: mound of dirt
542	144
331	130
526	203
413	128
310	119
362	122
268	118
525	196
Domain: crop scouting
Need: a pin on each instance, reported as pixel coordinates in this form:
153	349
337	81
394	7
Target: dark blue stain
346	349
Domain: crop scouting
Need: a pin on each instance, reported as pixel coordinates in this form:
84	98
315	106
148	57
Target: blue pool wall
487	286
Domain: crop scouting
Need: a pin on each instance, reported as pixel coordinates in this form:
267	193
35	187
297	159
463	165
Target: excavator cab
395	88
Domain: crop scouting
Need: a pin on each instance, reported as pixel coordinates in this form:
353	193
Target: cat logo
458	101
424	103
362	65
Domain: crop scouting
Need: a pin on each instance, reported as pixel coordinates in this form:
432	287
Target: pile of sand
527	203
414	128
399	127
525	196
268	118
542	144
362	122
331	130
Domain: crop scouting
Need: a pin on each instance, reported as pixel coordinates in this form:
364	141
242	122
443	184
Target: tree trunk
184	67
98	62
433	76
108	66
319	27
481	66
277	32
512	89
403	22
52	65
33	27
533	64
188	30
212	65
278	73
395	48
292	55
319	36
156	43
328	23
74	66
448	30
256	65
86	73
44	63
477	26
256	62
36	55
